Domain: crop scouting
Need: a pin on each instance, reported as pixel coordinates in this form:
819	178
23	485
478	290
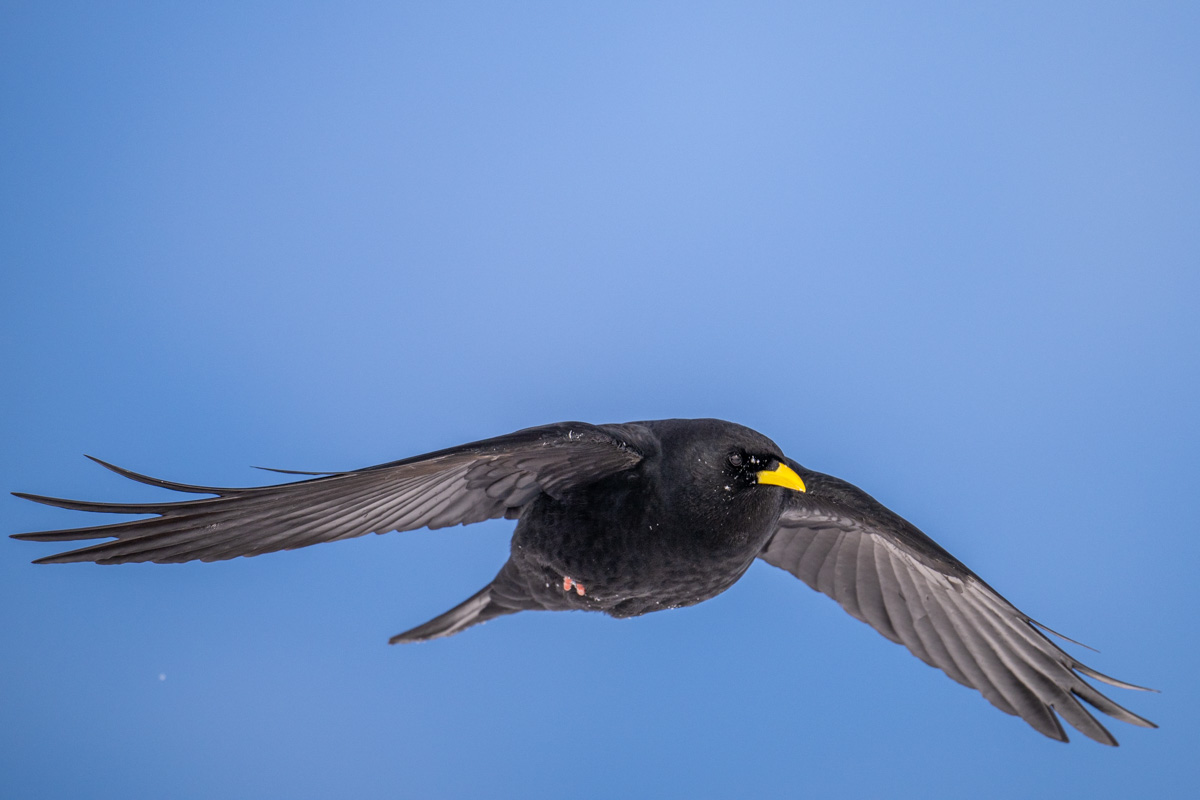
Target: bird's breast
629	554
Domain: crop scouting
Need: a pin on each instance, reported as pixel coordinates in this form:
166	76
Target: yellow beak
784	476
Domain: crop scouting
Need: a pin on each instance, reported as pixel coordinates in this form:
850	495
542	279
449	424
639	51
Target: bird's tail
478	608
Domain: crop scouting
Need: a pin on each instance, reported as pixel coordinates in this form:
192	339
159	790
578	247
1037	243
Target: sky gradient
949	253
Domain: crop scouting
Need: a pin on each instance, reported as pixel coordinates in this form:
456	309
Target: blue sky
948	252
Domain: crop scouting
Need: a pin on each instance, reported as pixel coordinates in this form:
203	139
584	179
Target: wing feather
897	605
844	590
885	572
458	486
869	590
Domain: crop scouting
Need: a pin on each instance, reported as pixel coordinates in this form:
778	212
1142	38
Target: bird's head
714	453
723	471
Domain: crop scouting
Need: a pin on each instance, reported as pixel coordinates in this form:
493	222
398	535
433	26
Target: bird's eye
735	460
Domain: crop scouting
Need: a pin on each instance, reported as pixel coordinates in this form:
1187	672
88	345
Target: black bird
633	518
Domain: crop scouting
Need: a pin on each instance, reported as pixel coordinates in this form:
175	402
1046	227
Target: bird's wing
461	485
882	570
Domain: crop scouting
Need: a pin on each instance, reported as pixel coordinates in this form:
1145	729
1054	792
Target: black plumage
633	518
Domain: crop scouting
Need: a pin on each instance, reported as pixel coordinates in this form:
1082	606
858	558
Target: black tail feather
472	611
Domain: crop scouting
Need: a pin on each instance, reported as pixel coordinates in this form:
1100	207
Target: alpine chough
633	518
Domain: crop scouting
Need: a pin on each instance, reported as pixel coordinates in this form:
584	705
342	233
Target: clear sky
949	252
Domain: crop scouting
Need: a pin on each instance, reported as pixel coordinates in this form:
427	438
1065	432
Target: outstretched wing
461	485
882	570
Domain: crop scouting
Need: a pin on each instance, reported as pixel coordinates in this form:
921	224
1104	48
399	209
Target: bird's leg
569	582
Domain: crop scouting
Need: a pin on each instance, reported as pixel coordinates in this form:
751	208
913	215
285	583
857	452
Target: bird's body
633	518
643	539
636	547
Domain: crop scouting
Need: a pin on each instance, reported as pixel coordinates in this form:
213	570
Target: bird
632	518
